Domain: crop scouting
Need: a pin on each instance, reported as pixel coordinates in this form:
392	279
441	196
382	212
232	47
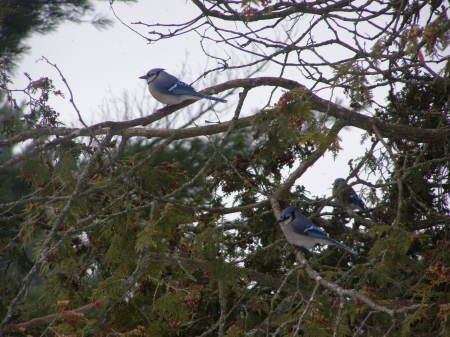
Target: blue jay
300	231
169	90
346	197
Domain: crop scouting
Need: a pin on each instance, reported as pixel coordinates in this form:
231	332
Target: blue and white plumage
346	197
300	231
169	90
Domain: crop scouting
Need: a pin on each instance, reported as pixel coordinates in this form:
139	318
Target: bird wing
357	200
348	193
316	232
181	88
349	196
302	225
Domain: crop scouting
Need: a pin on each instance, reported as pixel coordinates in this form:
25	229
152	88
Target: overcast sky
100	65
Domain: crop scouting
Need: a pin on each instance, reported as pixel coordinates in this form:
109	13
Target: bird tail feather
340	244
213	98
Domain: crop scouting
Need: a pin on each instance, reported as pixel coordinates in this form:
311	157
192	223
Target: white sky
101	65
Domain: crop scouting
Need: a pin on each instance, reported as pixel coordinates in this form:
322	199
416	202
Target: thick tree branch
273	12
347	116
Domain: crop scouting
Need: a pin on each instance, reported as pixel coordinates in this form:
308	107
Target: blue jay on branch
169	90
300	231
347	198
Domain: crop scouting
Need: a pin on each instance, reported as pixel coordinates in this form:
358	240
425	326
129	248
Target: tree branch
67	314
352	292
347	116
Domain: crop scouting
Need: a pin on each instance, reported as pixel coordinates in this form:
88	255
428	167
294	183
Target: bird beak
143	77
